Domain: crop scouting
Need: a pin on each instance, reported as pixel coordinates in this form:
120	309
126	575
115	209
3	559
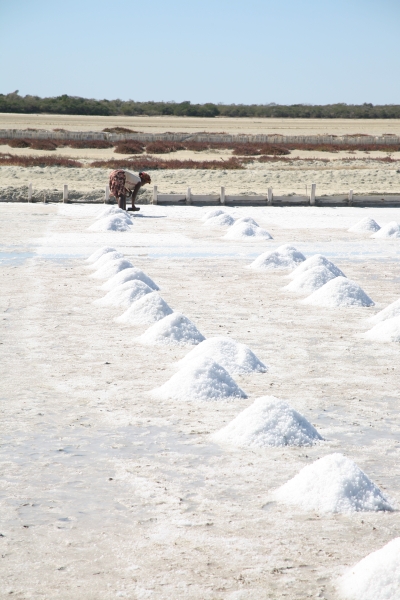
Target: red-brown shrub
37	161
196	146
14	143
85	143
129	147
259	149
163	147
119	130
152	162
43	145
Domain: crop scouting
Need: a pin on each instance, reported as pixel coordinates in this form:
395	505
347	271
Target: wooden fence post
270	195
351	196
44	198
65	193
106	195
188	196
312	195
30	192
222	197
155	195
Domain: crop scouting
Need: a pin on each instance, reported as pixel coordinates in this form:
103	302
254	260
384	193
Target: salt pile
111	210
366	224
268	422
247	220
375	577
149	309
339	292
391	230
112	223
203	380
99	253
317	260
284	257
175	329
125	294
111	268
107	257
236	358
223	220
213	213
333	484
244	230
310	281
129	275
386	331
393	310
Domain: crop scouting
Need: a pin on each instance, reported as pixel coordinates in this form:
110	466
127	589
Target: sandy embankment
196	125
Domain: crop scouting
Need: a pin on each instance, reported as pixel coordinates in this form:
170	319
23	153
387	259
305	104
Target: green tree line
73	105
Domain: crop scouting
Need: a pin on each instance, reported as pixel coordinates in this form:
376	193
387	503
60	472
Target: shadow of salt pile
265	423
332	484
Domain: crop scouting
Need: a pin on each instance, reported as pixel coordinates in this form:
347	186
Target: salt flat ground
242	125
109	493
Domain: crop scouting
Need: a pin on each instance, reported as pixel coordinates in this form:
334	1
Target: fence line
200	137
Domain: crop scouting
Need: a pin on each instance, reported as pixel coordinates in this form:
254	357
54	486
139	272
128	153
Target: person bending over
125	184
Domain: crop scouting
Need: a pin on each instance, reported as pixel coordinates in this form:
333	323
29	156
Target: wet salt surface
78	467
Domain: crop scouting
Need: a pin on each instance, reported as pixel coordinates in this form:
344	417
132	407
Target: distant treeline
73	105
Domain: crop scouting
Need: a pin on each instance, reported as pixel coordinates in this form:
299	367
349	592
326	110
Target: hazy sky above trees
231	51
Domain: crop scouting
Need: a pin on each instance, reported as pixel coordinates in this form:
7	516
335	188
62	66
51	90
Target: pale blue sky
236	51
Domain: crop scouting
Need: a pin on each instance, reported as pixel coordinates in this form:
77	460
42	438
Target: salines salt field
200	402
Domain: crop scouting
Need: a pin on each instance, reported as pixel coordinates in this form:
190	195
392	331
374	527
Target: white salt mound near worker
111	210
223	220
268	422
215	212
333	484
390	230
124	295
111	268
245	231
99	253
202	380
317	260
386	331
175	329
375	577
340	291
129	275
149	309
284	257
310	280
365	225
108	257
393	310
236	358
247	220
112	223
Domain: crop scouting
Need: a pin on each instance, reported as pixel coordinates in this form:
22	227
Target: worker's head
145	177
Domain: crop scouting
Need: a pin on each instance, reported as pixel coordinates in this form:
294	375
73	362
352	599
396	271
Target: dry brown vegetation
37	161
164	147
129	147
153	162
119	130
